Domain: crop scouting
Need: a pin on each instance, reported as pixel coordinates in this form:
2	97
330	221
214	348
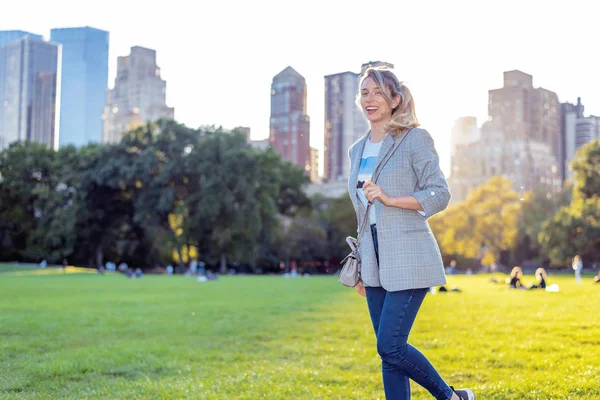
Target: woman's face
373	102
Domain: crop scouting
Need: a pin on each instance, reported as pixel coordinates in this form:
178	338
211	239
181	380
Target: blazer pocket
416	230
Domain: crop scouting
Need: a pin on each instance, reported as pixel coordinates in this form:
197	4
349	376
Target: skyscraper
520	141
577	130
290	126
83	85
464	131
529	116
314	164
139	95
29	74
10	36
344	123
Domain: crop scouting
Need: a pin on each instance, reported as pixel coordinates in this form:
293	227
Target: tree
586	171
487	219
538	206
161	177
291	196
575	229
26	177
55	236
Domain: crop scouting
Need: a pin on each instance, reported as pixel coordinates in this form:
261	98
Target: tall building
83	85
7	37
465	157
521	141
527	114
289	125
314	165
577	130
465	131
139	95
344	123
10	36
29	83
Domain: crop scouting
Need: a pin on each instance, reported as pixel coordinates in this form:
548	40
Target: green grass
79	336
17	267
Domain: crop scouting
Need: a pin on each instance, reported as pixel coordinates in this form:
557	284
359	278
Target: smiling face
373	101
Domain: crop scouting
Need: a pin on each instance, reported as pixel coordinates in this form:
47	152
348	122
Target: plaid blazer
409	255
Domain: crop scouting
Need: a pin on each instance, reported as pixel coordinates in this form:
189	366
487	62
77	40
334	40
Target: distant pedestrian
451	269
577	267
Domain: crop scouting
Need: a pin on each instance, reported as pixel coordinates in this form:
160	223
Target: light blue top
365	172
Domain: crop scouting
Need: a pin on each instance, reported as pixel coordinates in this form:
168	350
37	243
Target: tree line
166	193
496	225
163	193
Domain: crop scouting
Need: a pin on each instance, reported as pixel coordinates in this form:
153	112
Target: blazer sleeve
433	193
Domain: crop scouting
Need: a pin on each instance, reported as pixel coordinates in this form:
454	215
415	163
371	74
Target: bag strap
374	180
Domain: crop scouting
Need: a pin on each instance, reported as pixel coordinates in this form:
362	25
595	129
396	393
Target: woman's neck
378	133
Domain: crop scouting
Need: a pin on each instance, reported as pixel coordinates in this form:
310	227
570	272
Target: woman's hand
374	191
360	289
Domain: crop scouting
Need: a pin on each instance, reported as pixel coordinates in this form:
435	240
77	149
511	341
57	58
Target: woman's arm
434	195
406	202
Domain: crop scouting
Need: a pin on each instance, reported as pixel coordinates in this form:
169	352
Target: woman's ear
396	101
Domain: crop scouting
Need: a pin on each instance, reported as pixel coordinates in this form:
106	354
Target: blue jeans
393	314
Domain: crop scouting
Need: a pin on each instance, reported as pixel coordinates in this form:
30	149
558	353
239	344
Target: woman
515	278
400	259
542	279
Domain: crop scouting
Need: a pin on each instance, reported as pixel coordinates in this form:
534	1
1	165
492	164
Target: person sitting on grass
514	280
542	278
444	289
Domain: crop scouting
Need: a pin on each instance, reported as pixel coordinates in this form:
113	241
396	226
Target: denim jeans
393	315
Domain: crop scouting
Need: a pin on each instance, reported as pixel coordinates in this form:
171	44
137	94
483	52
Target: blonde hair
516	272
403	115
541	273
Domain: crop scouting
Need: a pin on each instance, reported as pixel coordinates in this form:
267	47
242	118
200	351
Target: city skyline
448	63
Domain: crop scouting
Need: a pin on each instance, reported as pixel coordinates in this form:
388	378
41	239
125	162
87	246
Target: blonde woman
542	279
400	256
515	278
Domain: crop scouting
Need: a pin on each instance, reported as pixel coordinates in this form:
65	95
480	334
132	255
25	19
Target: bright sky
219	57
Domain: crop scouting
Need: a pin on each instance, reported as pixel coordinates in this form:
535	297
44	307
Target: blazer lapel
386	146
360	146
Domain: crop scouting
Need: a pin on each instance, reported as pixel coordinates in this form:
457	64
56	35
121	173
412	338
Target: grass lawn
79	335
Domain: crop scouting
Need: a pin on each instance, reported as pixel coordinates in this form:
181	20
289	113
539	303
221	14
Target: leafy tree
487	219
538	206
586	171
26	171
575	229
